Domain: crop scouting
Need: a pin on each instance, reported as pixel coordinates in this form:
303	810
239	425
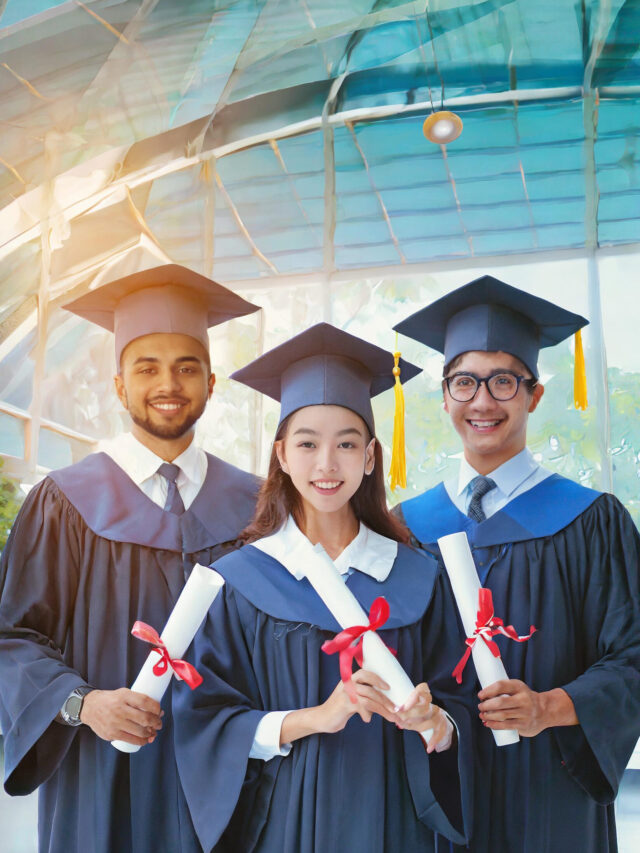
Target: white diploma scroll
465	583
196	598
327	581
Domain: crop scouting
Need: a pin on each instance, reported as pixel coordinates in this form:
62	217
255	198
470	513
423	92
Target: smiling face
164	383
326	452
492	431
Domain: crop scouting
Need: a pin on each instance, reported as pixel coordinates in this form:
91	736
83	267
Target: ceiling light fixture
442	127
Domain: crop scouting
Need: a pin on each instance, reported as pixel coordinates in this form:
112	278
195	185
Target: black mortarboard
324	365
491	316
168	298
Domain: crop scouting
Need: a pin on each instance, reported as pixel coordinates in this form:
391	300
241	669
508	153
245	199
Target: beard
166	431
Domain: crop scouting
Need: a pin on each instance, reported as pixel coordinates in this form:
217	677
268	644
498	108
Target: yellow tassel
398	467
579	375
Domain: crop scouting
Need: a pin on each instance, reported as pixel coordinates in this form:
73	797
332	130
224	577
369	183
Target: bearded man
100	545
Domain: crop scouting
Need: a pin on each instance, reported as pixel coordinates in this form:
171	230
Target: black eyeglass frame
529	381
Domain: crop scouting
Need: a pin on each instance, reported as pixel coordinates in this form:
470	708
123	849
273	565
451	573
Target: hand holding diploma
186	617
512	704
122	715
480	624
375	656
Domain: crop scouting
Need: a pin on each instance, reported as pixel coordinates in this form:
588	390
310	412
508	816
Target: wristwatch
70	711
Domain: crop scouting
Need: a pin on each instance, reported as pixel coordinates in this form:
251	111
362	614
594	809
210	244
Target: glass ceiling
273	137
269	142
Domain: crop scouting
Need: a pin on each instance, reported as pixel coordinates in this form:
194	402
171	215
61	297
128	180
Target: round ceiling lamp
442	127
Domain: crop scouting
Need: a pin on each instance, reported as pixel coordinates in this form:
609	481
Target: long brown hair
278	498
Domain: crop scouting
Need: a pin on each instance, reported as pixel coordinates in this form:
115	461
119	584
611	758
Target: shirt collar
370	552
507	476
140	463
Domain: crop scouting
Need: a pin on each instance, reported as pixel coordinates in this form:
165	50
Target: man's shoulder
93	465
433	495
543	510
221	471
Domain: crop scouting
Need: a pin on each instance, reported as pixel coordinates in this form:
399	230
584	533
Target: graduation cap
490	316
326	366
168	298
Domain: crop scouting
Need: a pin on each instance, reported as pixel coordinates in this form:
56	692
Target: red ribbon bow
349	643
181	668
487	626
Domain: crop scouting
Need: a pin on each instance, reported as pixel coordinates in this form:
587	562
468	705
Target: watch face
73	706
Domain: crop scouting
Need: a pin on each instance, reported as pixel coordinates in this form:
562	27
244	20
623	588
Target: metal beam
429	267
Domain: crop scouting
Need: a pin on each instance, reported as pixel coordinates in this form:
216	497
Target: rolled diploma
196	598
465	583
328	583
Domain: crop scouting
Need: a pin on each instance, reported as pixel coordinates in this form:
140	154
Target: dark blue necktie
479	488
174	501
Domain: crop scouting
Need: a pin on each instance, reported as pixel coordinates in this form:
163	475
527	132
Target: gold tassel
398	467
579	375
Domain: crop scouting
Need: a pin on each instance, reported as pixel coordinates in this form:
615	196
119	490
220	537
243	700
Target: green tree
10	502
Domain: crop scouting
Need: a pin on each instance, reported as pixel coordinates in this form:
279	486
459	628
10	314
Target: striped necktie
479	488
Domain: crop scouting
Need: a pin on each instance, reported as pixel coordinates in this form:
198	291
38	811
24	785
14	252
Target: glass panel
58	451
19	818
239	424
77	387
628	811
618	291
11	435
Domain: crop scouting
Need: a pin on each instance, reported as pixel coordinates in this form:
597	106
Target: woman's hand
339	708
419	714
333	715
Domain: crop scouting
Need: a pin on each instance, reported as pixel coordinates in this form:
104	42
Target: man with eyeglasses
555	555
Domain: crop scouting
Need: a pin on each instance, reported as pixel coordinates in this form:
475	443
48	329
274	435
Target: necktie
174	501
479	488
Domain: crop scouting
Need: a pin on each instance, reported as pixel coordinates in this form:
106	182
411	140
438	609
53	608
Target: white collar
370	552
507	476
140	463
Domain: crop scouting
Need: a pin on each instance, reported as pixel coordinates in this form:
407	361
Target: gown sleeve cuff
266	741
586	749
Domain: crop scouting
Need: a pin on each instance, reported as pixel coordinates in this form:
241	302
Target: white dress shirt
369	552
513	478
141	465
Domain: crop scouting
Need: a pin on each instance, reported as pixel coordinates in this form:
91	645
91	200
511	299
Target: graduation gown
88	555
565	559
370	787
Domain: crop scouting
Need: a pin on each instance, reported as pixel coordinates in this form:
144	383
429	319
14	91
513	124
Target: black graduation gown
565	559
367	788
88	555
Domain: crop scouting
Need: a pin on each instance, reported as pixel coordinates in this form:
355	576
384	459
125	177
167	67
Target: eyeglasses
502	386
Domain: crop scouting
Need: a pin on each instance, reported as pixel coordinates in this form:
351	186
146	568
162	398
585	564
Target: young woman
274	752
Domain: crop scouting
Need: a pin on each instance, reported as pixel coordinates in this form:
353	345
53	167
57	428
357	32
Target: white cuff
266	741
445	742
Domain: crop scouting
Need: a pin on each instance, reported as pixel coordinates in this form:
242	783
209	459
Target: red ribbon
349	643
181	668
487	626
